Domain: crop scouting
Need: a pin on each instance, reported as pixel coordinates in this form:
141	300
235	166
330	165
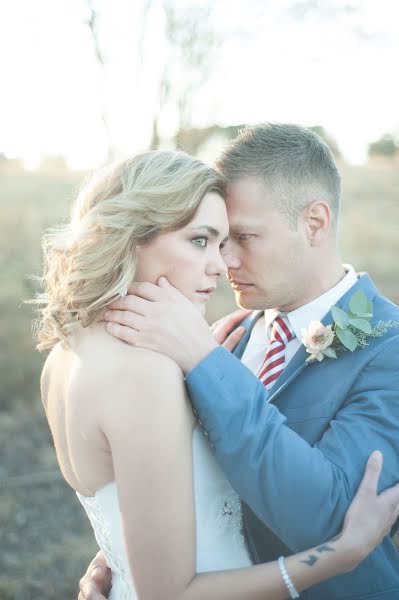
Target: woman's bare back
74	379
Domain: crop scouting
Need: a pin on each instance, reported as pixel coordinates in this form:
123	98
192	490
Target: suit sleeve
301	492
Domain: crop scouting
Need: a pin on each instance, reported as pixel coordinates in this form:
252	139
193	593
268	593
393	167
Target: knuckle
123	317
144	287
129	320
116	329
123	333
114	316
138	288
130	303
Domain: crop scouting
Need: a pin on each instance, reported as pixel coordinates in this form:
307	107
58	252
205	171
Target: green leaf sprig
353	327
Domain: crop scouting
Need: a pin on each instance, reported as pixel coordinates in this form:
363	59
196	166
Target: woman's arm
148	424
367	521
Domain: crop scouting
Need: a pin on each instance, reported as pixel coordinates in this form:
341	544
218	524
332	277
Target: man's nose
232	261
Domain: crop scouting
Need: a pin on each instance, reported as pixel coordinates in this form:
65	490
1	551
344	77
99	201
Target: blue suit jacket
297	454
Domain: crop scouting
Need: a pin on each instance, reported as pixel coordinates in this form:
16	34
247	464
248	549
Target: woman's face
190	257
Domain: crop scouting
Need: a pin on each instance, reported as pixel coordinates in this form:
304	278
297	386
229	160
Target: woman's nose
217	265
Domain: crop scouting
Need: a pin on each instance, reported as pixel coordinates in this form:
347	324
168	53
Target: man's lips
240	286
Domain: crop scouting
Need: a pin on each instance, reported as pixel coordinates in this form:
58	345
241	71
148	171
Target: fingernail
376	456
96	571
109	326
163	281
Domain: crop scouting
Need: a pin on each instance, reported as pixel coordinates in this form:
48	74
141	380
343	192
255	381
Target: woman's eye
200	241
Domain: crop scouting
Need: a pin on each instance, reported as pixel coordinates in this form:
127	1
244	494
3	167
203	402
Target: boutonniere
350	330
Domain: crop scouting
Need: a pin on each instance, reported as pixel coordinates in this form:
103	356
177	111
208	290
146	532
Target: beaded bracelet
287	579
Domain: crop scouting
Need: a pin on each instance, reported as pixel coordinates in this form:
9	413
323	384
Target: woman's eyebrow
214	232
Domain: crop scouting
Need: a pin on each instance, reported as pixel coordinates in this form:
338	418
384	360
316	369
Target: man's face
272	267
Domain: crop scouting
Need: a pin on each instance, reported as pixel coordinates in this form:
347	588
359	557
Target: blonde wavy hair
91	260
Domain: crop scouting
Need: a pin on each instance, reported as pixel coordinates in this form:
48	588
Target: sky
315	62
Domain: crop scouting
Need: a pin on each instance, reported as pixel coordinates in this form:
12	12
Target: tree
92	23
192	42
385	146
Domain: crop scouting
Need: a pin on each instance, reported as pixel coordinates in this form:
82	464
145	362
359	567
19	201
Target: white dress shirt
299	318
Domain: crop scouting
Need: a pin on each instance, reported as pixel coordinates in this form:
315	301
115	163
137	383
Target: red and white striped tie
274	361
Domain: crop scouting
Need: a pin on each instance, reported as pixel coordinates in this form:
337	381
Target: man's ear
317	218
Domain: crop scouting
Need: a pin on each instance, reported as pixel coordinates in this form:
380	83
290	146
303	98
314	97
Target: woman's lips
205	294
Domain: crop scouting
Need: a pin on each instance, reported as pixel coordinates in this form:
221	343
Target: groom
292	436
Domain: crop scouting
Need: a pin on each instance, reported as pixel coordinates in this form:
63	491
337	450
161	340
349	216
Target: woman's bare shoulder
97	367
116	358
104	361
93	350
139	381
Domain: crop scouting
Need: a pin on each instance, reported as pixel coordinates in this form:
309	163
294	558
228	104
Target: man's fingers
96	579
372	473
89	591
233	339
126	334
163	282
131	303
233	318
223	327
98	573
391	496
125	317
146	290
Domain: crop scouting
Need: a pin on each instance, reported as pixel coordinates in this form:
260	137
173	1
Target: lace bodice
220	542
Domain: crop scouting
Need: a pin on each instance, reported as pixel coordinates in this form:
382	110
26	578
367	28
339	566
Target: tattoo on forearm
324	548
312	559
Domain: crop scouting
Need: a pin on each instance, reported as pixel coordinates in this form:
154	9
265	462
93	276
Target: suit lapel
298	361
248	323
291	371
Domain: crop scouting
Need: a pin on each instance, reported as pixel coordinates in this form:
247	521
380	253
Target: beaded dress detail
220	542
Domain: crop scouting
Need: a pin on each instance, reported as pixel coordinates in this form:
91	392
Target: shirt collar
316	309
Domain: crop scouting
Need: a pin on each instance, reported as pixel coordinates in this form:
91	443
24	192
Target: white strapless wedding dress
220	542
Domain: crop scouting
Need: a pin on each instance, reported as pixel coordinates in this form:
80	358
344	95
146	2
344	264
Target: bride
126	439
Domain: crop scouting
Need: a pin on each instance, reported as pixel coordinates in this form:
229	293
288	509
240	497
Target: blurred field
45	541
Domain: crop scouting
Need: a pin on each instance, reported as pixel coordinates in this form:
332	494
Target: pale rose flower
316	338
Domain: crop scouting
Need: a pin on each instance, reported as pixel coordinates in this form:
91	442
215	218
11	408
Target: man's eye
200	241
243	237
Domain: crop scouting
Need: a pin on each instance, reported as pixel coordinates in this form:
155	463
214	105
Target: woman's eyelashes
201	241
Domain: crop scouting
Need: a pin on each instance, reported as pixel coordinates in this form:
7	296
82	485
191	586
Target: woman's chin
201	307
